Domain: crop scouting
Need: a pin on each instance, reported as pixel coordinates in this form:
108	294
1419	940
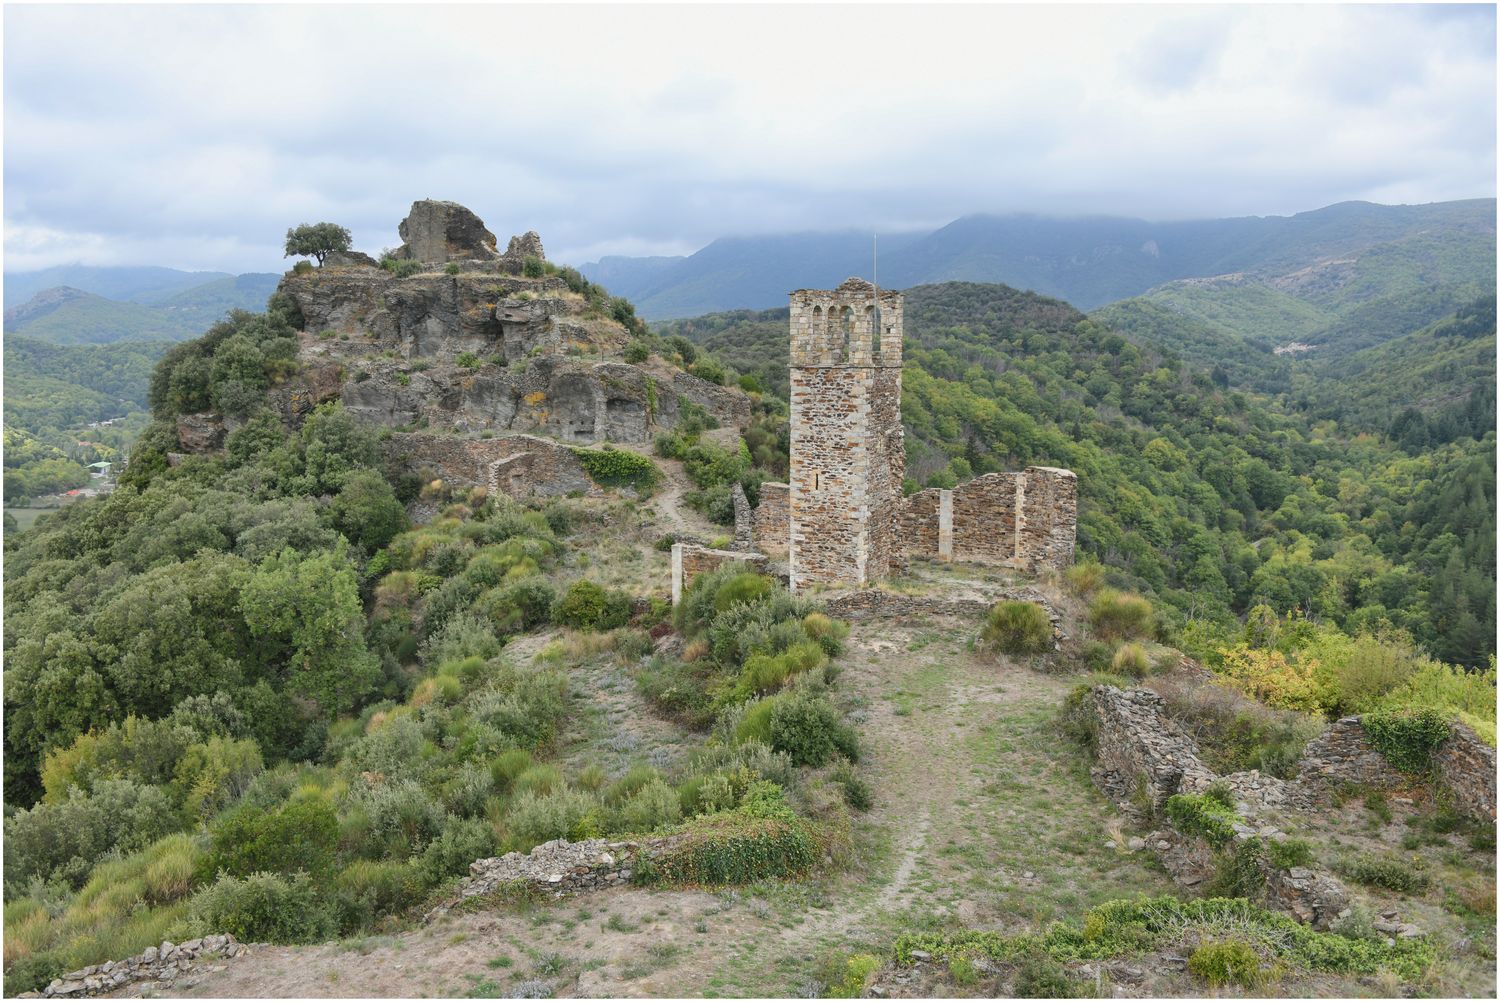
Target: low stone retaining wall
162	964
876	603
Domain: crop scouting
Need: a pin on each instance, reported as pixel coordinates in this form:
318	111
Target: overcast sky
193	136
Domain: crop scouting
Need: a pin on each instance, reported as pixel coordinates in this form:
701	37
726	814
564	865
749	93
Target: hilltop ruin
841	520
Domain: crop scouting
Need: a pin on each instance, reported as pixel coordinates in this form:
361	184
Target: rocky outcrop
349	259
163	965
202	432
438	232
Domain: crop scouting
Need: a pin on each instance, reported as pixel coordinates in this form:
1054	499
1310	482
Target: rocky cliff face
485	349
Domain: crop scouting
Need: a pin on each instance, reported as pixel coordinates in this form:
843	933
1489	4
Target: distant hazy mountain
153	307
133	285
1330	258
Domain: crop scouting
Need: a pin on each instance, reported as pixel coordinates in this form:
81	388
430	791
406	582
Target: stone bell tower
848	458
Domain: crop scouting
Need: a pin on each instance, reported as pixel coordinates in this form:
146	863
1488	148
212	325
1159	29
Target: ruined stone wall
1466	766
1343	754
985	515
160	965
1026	520
518	465
689	561
920	515
1138	747
744	519
847	452
1049	522
772	520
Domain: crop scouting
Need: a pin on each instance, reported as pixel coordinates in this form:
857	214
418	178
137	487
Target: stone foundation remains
1139	751
561	867
162	965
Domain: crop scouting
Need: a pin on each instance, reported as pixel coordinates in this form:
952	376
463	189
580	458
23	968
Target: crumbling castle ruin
841	519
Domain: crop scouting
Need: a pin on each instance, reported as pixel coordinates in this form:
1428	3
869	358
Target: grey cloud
195	135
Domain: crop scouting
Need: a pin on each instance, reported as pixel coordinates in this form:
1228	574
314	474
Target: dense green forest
1212	499
60	386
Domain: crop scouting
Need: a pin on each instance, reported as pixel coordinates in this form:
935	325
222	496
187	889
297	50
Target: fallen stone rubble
559	867
163	965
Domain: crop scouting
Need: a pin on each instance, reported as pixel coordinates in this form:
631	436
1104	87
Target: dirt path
982	813
672	510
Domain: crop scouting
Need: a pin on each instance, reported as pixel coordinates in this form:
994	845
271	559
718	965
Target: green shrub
1227	962
62	841
1018	628
744	587
534	819
367	890
1130	659
533	267
737	847
810	729
1203	816
263	908
1038	976
1116	615
611	467
1288	852
637	352
509	765
452	268
1406	737
857	792
651	807
461	842
588	606
1084	578
1392	874
468	360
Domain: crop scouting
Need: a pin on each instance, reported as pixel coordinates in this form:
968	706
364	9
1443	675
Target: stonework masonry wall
772	523
1342	754
1049	522
919	521
518	465
986	512
1026	520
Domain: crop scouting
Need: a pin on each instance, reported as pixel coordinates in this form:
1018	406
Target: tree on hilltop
316	240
